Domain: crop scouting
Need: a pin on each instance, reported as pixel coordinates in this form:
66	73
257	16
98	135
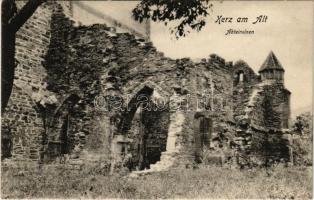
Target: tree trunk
8	64
11	22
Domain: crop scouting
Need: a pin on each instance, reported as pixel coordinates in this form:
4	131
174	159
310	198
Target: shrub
302	139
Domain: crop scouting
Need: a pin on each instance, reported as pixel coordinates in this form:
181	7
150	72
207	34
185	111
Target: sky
288	32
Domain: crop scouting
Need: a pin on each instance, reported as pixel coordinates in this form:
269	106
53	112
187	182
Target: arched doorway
145	124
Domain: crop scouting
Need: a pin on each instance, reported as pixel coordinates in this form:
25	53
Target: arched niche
59	136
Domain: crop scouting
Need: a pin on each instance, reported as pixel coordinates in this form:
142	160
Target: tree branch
24	14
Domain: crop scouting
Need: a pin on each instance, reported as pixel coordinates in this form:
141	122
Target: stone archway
59	136
142	131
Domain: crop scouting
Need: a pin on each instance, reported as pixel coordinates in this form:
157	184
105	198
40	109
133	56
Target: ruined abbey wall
101	62
64	83
21	118
25	130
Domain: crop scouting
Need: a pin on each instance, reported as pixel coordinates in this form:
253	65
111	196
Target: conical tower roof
271	62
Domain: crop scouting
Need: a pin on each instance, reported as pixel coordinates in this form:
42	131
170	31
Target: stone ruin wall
92	61
25	131
21	119
68	67
242	90
262	114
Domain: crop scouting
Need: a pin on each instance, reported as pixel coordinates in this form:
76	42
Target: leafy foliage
303	124
302	139
189	13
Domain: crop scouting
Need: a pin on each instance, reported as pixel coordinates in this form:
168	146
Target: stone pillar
175	129
175	148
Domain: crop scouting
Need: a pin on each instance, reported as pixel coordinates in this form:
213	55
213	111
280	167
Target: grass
205	182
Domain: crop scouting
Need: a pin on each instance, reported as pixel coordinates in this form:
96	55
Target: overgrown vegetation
204	182
302	139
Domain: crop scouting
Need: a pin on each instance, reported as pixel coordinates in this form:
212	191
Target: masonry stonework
67	76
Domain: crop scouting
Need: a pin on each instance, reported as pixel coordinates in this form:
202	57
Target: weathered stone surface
64	68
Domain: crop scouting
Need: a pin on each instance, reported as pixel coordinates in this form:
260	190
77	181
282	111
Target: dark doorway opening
155	126
147	125
203	131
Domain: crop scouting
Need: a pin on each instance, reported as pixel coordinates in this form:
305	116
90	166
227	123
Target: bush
302	139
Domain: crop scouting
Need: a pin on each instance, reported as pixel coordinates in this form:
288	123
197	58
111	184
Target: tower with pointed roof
272	69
